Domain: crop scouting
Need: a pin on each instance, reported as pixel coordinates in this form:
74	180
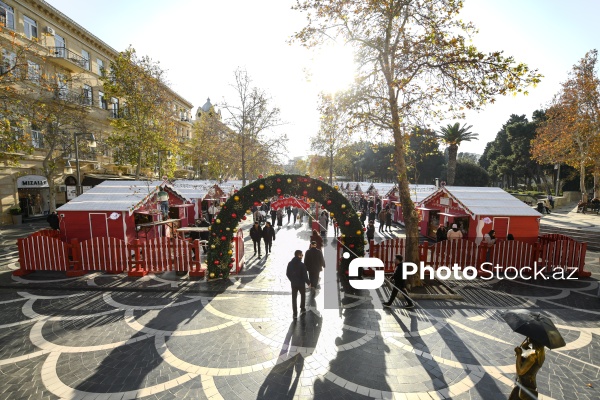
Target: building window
87	95
62	86
102	101
60	49
100	66
86	59
33	72
30	27
9	61
37	140
114	112
7	16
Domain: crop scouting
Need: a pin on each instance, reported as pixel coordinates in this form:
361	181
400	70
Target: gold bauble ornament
331	214
230	252
235	230
212	246
319	188
343	206
227	229
212	275
343	235
359	232
221	205
261	186
289	180
209	228
236	198
248	212
336	187
218	221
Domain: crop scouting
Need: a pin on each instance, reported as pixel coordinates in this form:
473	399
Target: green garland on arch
237	207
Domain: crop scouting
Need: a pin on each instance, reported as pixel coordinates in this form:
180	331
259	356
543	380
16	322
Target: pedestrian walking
280	217
273	216
381	218
388	219
323	222
288	211
256	236
298	276
363	217
212	211
336	227
268	235
454	233
551	201
295	213
372	214
400	285
315	237
371	231
314	262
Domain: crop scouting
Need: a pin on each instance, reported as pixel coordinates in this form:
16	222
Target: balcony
69	59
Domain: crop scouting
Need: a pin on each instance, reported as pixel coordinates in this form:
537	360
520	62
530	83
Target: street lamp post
92	144
168	153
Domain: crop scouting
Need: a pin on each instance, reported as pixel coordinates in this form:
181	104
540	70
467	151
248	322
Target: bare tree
252	118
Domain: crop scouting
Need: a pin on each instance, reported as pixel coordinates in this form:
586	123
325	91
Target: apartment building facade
51	47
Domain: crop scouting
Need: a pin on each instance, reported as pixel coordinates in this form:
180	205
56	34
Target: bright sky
201	43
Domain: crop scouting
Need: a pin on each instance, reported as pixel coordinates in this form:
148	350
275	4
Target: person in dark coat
256	236
296	273
53	221
440	234
295	213
273	216
288	211
315	262
371	231
372	214
280	217
268	235
316	237
400	284
388	219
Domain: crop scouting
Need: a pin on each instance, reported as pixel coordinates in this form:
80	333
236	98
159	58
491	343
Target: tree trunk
596	180
582	178
331	168
452	152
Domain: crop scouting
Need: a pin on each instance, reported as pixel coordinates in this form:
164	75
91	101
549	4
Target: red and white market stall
119	208
476	211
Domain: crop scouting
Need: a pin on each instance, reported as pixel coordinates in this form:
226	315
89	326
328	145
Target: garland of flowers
237	208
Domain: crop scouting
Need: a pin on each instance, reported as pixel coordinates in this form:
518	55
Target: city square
109	336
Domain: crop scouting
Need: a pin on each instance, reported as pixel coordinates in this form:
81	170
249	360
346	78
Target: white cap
454	226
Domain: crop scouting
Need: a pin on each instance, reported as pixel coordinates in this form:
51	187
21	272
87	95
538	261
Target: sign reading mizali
32	181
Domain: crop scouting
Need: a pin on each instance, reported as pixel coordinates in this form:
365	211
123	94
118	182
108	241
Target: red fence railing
550	253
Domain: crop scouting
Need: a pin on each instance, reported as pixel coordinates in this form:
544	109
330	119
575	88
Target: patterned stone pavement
168	337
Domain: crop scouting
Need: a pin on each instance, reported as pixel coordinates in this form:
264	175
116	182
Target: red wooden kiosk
122	210
476	211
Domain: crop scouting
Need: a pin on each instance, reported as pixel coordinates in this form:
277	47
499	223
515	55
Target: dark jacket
296	273
370	231
397	277
317	238
314	260
256	233
268	234
53	221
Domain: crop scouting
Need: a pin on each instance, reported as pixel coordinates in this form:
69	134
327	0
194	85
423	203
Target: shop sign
32	182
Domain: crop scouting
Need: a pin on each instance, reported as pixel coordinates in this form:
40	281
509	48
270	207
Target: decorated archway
220	261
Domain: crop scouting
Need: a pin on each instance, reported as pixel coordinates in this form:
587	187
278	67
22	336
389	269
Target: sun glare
333	69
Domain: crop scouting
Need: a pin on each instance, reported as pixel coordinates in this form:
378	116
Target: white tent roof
115	196
489	201
193	189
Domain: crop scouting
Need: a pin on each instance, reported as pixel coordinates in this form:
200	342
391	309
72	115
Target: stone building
40	44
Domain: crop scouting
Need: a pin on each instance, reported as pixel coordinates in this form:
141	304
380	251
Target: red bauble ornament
322	207
233	215
347	223
235	191
278	180
223	238
214	234
217	262
320	178
305	192
260	176
256	203
278	191
364	229
280	197
252	189
230	265
328	202
244	217
351	245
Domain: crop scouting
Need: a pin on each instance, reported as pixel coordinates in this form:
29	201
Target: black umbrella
537	327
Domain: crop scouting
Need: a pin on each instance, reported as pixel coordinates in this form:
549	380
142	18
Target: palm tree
452	136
